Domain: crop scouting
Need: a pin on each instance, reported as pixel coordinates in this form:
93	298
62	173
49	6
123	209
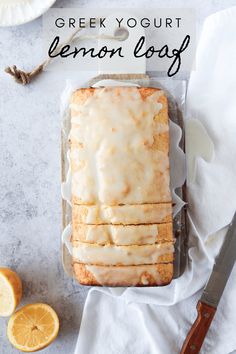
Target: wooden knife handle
197	333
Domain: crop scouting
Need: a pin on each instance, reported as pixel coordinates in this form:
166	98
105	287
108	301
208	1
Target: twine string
24	78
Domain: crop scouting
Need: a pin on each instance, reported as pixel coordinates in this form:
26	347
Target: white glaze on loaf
113	158
123	235
130	275
122	214
120	255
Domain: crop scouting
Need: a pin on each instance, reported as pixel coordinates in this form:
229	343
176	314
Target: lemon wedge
10	291
33	327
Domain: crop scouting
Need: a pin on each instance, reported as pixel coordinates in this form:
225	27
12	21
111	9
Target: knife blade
212	292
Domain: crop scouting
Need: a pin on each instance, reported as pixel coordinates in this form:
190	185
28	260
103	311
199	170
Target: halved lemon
10	291
33	327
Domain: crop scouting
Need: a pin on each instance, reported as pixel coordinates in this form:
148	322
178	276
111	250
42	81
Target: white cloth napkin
156	320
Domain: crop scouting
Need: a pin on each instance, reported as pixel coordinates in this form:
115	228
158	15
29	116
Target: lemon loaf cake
121	198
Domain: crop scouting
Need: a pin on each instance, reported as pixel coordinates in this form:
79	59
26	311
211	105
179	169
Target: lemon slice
10	291
33	327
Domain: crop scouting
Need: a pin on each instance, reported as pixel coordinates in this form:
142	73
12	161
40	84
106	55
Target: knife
212	292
